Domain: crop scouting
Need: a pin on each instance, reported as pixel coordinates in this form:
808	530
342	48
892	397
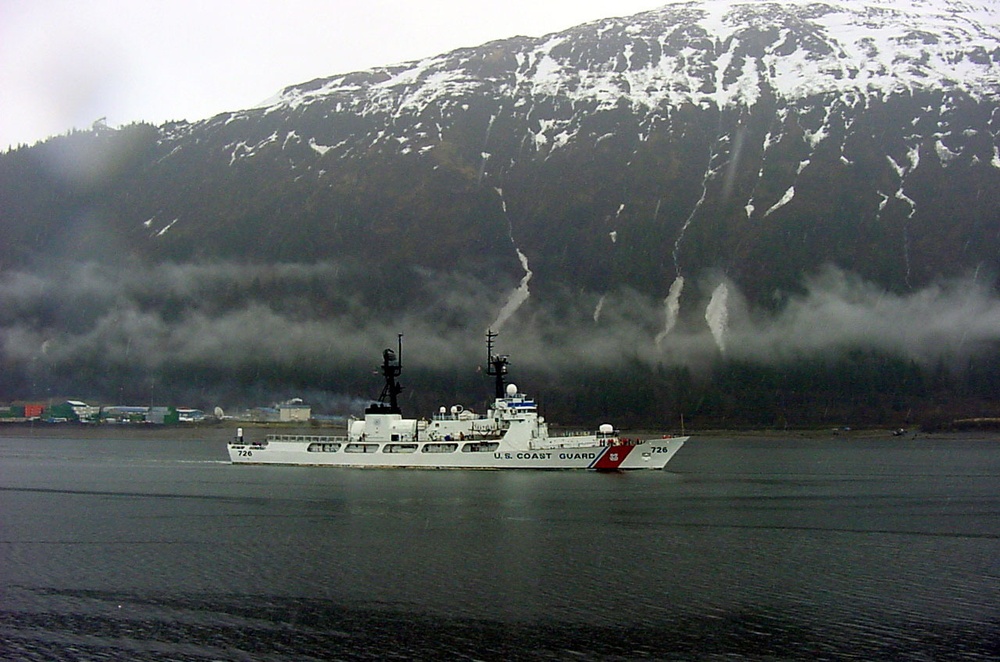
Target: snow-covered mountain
743	116
651	182
711	54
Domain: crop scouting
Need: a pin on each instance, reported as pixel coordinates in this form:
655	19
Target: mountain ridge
958	40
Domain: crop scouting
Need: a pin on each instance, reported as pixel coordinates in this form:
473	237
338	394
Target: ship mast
392	366
496	365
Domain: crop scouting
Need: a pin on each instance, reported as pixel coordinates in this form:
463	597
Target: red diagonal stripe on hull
612	457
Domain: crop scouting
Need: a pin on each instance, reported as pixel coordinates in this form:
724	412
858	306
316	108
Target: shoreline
139	432
225	431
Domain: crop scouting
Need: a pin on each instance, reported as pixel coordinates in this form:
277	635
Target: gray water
745	549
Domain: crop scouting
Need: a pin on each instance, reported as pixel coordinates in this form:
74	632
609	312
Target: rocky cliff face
647	186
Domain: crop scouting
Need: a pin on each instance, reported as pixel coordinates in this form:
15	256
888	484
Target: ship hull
307	451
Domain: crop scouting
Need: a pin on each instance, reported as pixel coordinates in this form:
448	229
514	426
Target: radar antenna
496	364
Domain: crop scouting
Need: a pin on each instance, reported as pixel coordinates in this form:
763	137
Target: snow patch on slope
785	199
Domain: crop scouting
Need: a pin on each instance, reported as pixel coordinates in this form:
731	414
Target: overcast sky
67	63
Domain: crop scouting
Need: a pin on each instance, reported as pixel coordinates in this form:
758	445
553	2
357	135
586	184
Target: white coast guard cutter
511	435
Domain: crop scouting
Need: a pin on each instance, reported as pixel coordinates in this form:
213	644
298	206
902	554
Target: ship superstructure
510	435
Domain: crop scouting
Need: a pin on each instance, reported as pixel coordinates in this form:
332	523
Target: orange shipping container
33	411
